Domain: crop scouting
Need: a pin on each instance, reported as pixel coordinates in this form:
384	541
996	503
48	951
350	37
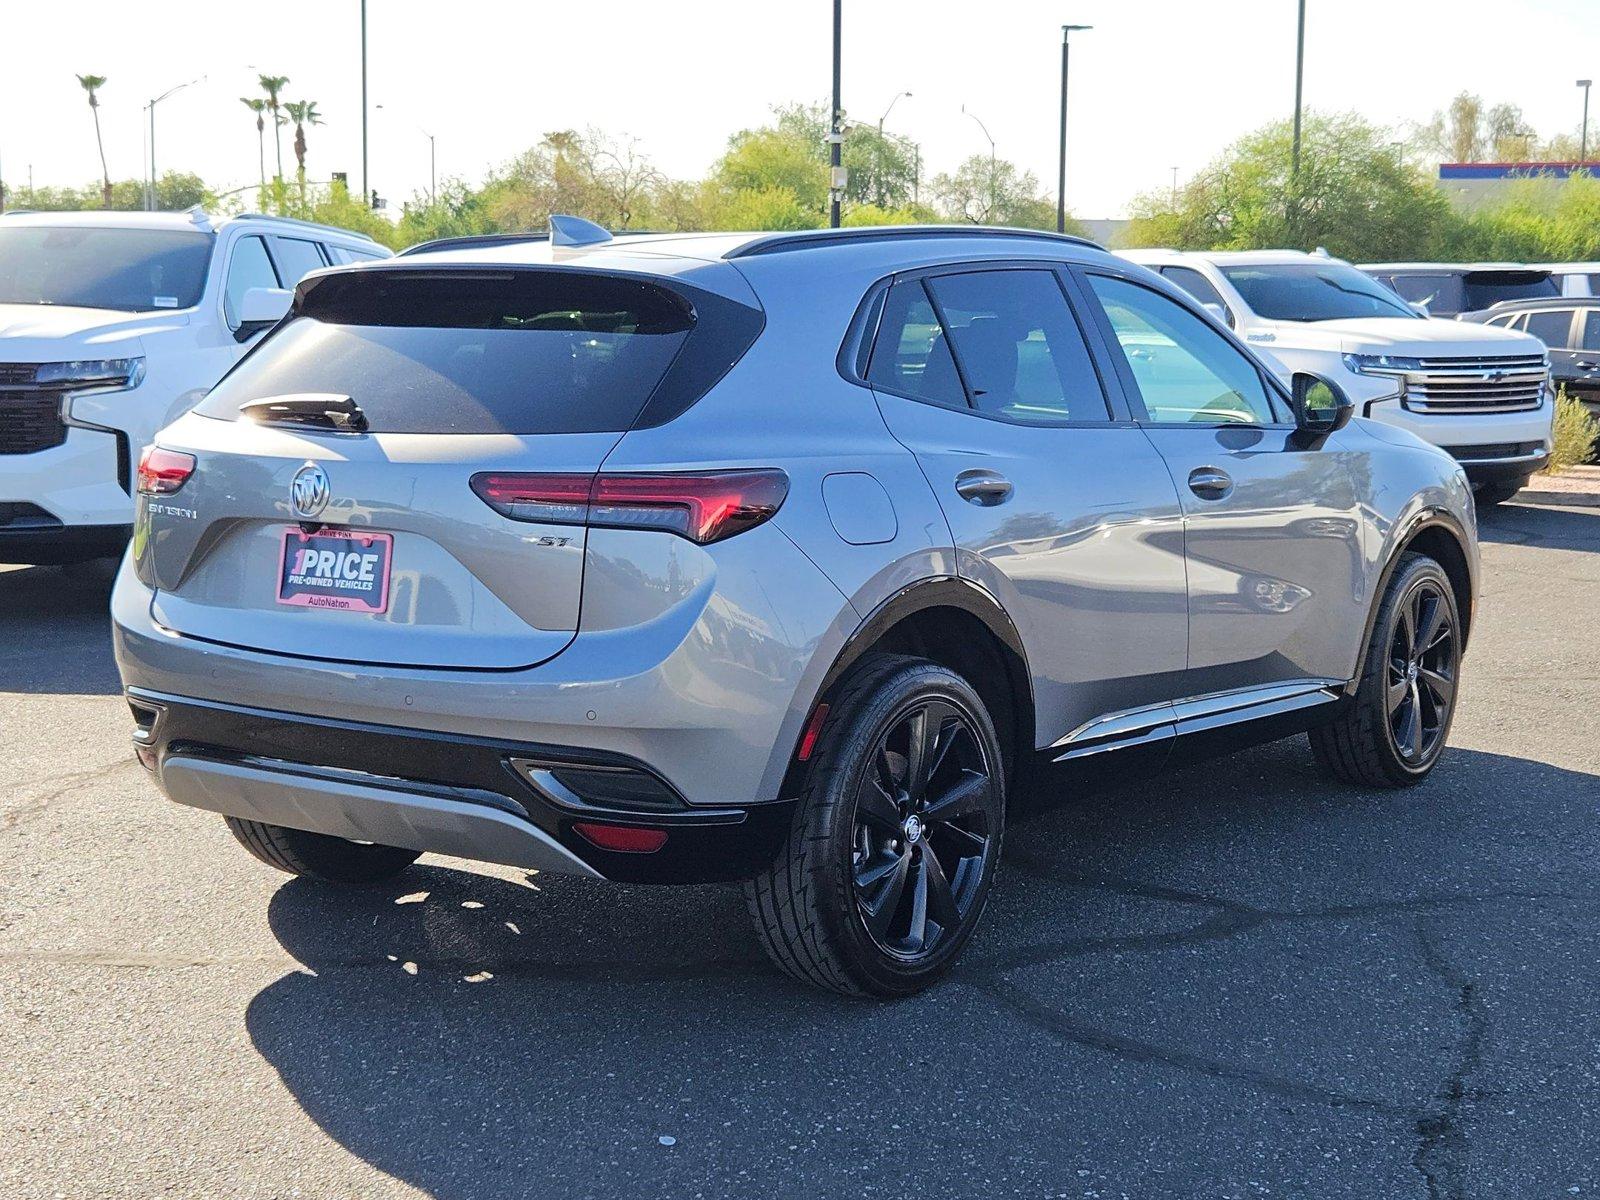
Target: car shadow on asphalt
55	631
1533	525
478	1036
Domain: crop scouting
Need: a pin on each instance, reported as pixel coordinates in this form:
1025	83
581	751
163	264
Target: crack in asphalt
1442	1142
64	784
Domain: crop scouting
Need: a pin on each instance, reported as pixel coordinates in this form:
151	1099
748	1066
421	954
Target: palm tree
302	113
258	106
272	85
92	84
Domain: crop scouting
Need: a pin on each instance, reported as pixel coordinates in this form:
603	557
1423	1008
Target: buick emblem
309	491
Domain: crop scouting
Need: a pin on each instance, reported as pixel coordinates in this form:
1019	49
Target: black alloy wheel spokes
1421	676
922	829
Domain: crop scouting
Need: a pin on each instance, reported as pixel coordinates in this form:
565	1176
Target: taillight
704	507
162	472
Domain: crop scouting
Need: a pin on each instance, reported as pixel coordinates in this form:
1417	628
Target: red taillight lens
162	472
703	507
626	839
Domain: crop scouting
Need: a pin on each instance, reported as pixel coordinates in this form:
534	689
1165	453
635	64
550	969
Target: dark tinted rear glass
514	352
1484	288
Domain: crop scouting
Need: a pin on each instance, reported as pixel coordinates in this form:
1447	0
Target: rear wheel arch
960	626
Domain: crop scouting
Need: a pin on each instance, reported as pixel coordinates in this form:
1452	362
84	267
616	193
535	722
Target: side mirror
1420	307
1320	405
1219	312
261	308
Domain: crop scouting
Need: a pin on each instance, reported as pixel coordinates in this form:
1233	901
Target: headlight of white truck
92	373
1380	364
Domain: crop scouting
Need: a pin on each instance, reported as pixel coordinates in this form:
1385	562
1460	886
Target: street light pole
985	128
150	192
1583	151
1061	166
366	184
1299	81
835	136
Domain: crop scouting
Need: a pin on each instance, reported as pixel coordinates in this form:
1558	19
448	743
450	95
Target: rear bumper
49	544
476	798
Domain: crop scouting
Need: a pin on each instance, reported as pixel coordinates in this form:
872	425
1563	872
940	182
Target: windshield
1314	292
132	270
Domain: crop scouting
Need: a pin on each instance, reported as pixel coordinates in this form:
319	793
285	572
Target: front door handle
986	488
1209	483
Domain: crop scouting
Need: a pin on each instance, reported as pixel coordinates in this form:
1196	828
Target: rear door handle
1209	483
986	488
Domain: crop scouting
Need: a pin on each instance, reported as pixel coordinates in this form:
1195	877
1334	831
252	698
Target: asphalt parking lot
1237	981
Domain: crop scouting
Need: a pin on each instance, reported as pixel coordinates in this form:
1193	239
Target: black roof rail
779	243
470	240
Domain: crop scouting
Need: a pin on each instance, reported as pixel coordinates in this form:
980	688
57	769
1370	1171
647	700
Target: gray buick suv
797	559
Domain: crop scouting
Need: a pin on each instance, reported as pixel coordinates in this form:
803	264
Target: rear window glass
1485	288
1441	293
515	352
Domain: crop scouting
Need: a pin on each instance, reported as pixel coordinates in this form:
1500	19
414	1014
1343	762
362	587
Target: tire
1491	494
873	860
1373	742
320	856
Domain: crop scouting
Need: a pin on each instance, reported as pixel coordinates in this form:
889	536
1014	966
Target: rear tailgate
449	375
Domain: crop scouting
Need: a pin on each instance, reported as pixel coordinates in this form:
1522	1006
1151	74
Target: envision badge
309	491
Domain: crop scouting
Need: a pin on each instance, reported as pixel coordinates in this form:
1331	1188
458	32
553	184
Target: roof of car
1563	267
1533	305
195	219
1444	268
1232	258
716	246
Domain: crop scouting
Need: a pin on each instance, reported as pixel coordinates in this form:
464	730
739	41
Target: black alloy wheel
922	832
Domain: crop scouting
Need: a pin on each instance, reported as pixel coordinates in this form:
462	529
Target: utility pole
835	135
1299	81
366	184
1061	168
1583	152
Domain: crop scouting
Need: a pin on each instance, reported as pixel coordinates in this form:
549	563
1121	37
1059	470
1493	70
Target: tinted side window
1552	328
910	355
1198	286
1591	329
1187	372
298	258
248	267
1442	292
1019	347
343	255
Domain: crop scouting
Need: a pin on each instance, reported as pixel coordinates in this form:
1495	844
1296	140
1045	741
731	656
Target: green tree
92	85
258	106
985	190
273	86
1354	194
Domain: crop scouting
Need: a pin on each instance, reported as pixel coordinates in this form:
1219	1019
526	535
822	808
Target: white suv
1480	393
110	325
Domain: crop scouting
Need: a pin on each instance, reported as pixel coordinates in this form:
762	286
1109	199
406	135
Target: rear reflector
704	507
808	740
162	472
626	839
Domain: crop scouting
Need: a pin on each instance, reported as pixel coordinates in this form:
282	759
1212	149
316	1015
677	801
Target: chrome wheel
924	831
1421	679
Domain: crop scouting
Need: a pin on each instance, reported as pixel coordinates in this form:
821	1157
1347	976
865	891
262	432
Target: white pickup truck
1481	394
112	323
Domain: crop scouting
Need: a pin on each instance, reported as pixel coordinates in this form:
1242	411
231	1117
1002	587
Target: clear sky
1156	84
